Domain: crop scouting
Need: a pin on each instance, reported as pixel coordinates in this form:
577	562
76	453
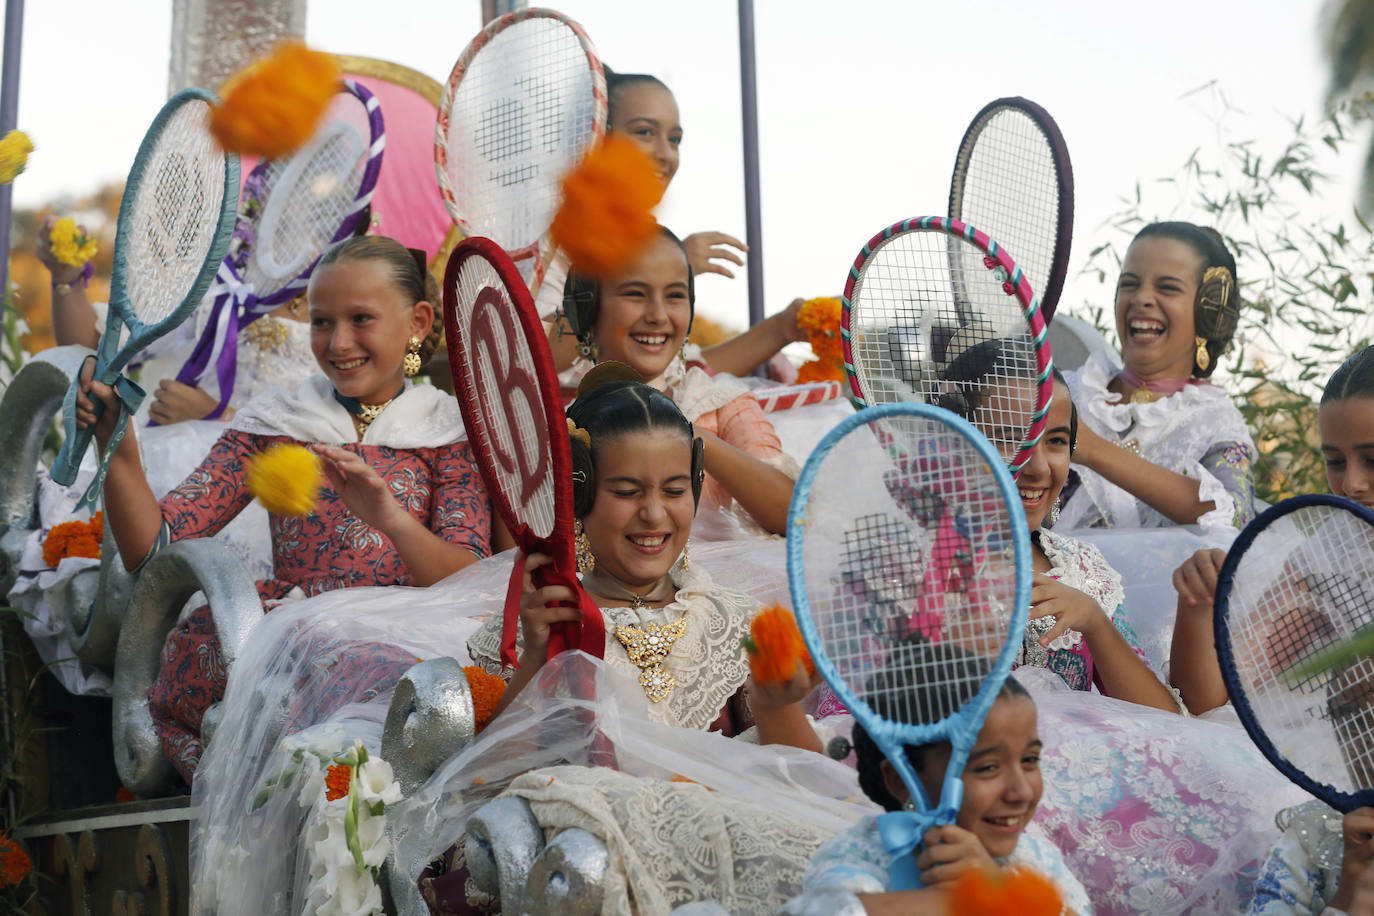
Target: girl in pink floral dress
402	505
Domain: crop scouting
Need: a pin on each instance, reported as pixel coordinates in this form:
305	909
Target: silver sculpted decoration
431	718
503	840
568	878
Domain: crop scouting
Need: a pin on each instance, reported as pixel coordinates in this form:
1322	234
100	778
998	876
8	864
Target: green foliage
1306	273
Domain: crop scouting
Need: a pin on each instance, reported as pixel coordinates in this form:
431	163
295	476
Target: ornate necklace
647	646
364	414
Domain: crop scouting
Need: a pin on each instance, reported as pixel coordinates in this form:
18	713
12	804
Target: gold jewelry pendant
586	560
1143	396
648	649
1204	359
410	363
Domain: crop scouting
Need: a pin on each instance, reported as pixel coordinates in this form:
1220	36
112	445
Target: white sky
862	105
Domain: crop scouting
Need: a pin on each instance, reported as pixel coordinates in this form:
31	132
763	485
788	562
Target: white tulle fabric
1174	432
706	663
265	362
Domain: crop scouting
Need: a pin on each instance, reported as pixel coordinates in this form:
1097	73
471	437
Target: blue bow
901	833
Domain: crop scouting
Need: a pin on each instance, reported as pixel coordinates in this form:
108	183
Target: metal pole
749	109
9	118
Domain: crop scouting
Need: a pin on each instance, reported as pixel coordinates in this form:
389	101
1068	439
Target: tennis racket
1297	584
936	312
909	564
1013	179
524	102
291	211
508	390
173	229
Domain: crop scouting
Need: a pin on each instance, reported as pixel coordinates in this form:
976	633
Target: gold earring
586	560
410	365
686	563
1204	359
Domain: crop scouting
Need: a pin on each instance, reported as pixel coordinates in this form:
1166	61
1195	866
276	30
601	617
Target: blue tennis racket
174	223
909	563
1297	585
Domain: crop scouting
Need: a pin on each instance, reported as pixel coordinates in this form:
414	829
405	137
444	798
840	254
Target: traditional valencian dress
418	447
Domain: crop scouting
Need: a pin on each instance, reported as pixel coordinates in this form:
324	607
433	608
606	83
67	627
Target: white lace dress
1197	432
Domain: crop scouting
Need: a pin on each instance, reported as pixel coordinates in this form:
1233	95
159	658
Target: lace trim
422	416
1081	565
693	390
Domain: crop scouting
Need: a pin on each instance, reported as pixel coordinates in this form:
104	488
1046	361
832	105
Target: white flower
372	838
375	783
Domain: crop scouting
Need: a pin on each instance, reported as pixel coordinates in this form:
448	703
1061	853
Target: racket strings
175	215
1009	188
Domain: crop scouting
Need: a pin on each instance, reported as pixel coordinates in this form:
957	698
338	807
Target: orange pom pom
775	647
337	780
487	690
74	539
607	220
276	104
996	892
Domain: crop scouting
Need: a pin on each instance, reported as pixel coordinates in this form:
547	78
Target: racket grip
74	441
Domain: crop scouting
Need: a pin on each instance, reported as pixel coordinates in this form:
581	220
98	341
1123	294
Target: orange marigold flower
487	690
14	862
276	104
775	647
73	539
336	781
994	892
606	219
818	371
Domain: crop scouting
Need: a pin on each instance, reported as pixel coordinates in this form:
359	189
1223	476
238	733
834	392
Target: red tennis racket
508	390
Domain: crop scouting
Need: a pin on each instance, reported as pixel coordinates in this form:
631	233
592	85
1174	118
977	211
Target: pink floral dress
326	550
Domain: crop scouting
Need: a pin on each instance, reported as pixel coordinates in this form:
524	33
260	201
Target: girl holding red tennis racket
402	502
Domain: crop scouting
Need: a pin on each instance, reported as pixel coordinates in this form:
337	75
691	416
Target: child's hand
1071	609
1362	901
61	273
949	852
705	248
88	393
764	697
540	609
174	402
1357	830
360	487
1196	580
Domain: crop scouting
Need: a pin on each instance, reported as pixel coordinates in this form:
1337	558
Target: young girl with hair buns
402	503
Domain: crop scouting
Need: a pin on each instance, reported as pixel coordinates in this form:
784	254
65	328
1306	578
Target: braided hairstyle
613	401
409	275
1353	379
904	701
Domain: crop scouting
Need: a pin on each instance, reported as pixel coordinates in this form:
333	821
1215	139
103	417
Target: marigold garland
74	539
14	862
775	647
286	479
998	891
277	103
337	779
487	690
14	155
70	245
606	219
820	319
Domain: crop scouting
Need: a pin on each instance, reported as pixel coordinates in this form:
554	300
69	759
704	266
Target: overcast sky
862	105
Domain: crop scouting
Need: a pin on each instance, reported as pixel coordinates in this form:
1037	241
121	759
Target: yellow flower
70	245
14	155
286	479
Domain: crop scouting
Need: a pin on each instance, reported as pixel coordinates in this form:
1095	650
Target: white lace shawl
707	663
693	390
1173	432
422	416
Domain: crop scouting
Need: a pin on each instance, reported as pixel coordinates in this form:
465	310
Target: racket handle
74	441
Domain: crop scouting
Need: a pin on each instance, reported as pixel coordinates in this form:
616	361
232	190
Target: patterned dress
329	549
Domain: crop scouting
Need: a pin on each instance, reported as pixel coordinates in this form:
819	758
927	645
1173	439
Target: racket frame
1345	802
962	728
1030	309
1063	168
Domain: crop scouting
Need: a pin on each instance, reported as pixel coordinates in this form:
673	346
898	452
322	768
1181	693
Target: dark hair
612	402
928	701
616	83
972	366
1214	320
1353	379
409	275
1073	412
582	296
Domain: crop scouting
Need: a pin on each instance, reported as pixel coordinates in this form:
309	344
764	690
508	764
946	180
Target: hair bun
606	372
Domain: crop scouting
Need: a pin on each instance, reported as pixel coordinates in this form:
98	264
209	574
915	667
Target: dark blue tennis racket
909	562
1297	585
173	230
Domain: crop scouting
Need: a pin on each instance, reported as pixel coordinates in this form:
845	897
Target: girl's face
1347	429
1002	781
1044	474
647	114
1154	307
642	513
359	326
645	312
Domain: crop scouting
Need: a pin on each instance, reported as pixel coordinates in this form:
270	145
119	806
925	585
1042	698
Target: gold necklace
648	647
368	413
1143	396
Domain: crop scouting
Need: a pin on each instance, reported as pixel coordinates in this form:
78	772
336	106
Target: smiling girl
402	504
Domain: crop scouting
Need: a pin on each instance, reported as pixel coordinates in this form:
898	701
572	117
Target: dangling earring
410	364
1204	359
587	349
586	560
1054	513
686	563
682	351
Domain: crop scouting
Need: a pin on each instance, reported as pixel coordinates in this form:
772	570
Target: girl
1160	445
402	505
642	318
1002	788
638	475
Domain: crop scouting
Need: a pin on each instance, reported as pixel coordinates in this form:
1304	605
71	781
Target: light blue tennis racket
910	564
174	223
